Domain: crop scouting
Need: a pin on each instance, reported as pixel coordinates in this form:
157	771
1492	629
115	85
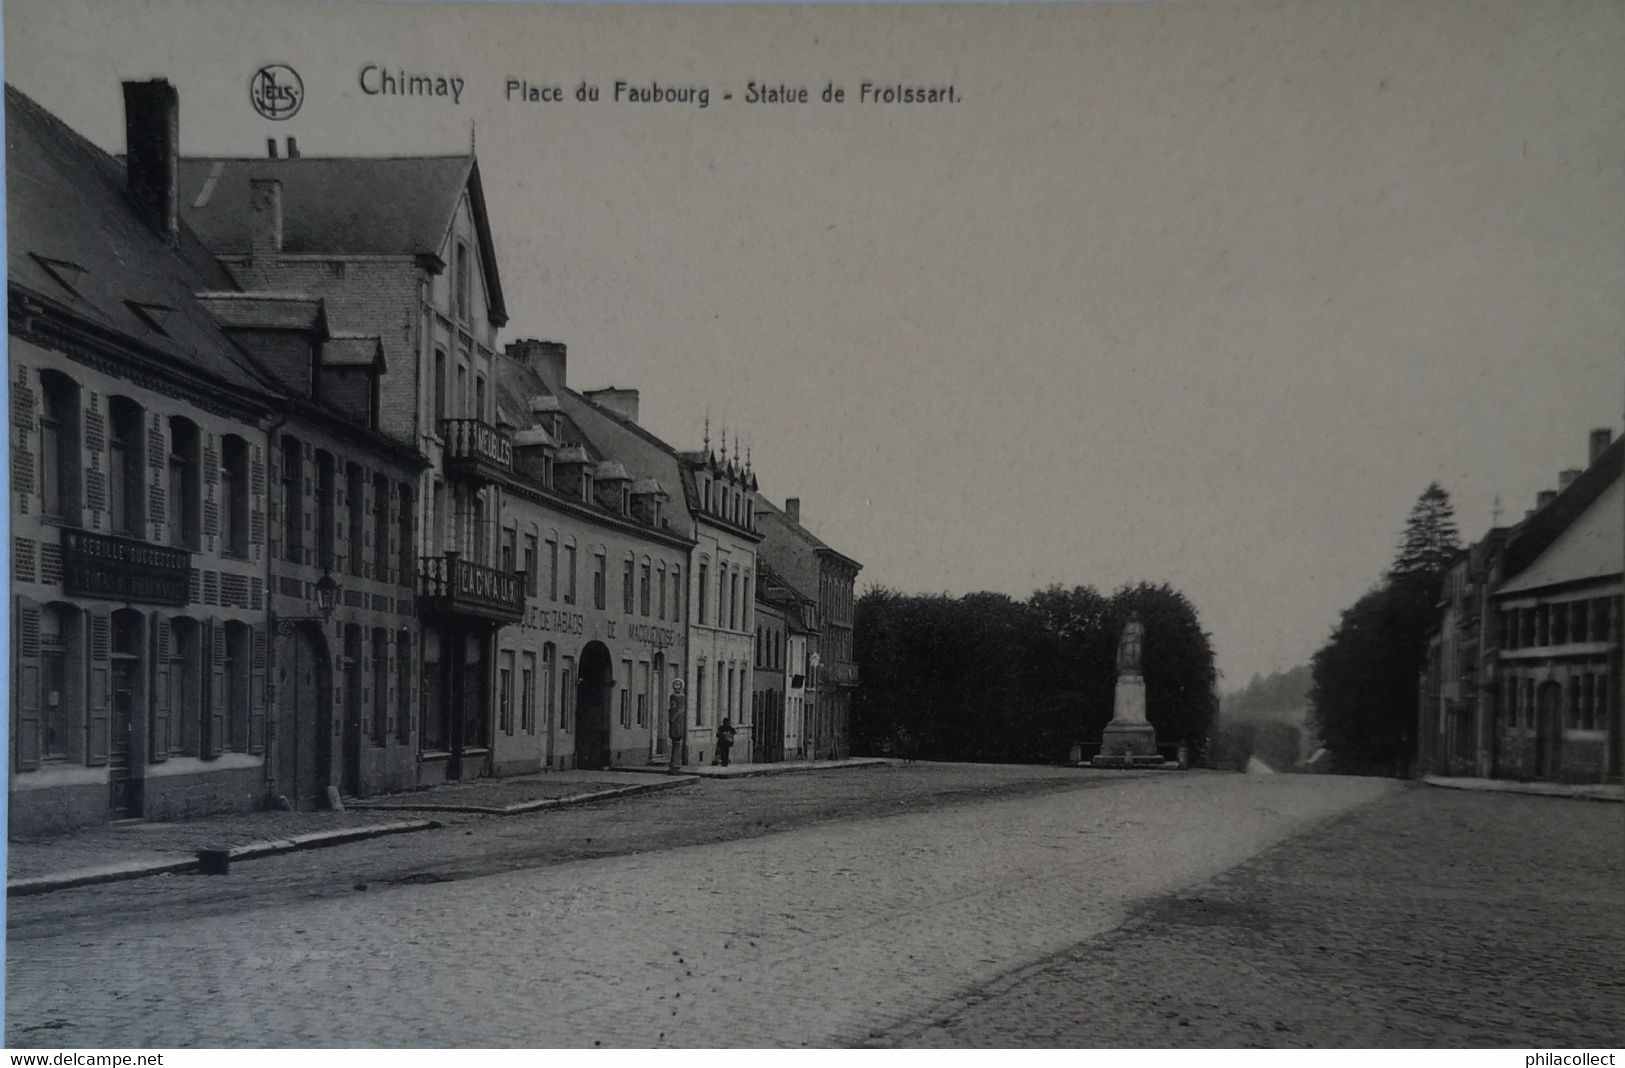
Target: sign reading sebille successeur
383	81
124	569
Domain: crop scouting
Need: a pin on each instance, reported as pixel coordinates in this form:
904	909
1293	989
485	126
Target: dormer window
152	315
63	272
547	468
626	500
586	487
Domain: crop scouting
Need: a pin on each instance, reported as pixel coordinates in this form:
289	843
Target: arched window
404	686
185	487
355	496
327	494
643	587
126	462
233	495
380	527
406	565
61	683
59	452
292	502
236	670
550	658
380	686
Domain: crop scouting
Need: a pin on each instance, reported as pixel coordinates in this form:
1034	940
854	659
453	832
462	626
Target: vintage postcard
1030	525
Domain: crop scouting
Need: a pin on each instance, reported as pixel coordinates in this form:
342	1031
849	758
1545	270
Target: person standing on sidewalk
676	726
725	741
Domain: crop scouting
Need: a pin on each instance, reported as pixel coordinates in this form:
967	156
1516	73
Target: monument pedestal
1129	740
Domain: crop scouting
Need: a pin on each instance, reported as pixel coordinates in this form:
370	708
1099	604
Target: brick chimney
293	149
1566	477
546	358
1601	438
792	508
623	402
152	154
265	210
1545	497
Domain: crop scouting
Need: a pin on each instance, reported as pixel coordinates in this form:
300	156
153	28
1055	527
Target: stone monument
1129	739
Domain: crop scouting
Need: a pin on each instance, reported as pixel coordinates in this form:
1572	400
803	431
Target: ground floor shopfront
128	711
574	689
1558	720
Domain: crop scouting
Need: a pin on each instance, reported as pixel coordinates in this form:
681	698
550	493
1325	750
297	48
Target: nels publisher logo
276	91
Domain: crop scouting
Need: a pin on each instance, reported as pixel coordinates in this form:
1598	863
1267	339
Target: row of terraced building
1523	673
289	524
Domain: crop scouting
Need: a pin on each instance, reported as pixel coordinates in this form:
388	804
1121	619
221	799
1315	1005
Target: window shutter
256	691
99	706
27	623
159	745
217	690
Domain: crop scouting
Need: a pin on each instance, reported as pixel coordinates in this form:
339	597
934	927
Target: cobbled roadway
783	911
824	934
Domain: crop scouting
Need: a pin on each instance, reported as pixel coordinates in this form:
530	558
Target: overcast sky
1196	293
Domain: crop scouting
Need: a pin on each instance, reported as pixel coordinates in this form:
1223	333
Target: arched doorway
597	676
1548	729
304	724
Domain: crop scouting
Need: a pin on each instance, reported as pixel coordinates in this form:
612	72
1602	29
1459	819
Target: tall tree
1429	541
1364	692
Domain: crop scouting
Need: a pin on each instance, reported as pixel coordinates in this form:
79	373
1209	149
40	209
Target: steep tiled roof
1534	535
357	206
77	243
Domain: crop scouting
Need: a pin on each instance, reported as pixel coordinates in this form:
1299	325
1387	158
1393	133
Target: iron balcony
450	585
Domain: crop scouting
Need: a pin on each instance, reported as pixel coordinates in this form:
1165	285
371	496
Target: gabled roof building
1523	675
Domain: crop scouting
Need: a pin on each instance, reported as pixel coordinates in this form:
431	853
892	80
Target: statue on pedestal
1128	647
1129	739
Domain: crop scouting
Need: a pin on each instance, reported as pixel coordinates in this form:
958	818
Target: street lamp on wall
327	594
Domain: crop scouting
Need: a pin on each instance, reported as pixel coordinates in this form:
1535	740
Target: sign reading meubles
124	569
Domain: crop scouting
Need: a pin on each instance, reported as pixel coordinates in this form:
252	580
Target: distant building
785	620
1522	679
825	577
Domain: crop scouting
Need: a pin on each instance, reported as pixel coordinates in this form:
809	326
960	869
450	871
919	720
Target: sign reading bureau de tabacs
123	569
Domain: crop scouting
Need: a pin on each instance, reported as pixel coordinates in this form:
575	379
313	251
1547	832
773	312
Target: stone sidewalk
783	767
134	849
1578	791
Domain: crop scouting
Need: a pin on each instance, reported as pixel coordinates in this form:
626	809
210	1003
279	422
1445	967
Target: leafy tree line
988	677
1280	691
1365	677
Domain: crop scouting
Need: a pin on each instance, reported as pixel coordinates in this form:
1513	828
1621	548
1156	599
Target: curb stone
175	864
1554	791
519	807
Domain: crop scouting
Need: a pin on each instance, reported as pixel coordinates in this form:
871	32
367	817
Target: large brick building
138	490
591	518
288	526
399	251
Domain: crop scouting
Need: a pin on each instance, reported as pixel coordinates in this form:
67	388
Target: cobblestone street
835	931
1432	918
